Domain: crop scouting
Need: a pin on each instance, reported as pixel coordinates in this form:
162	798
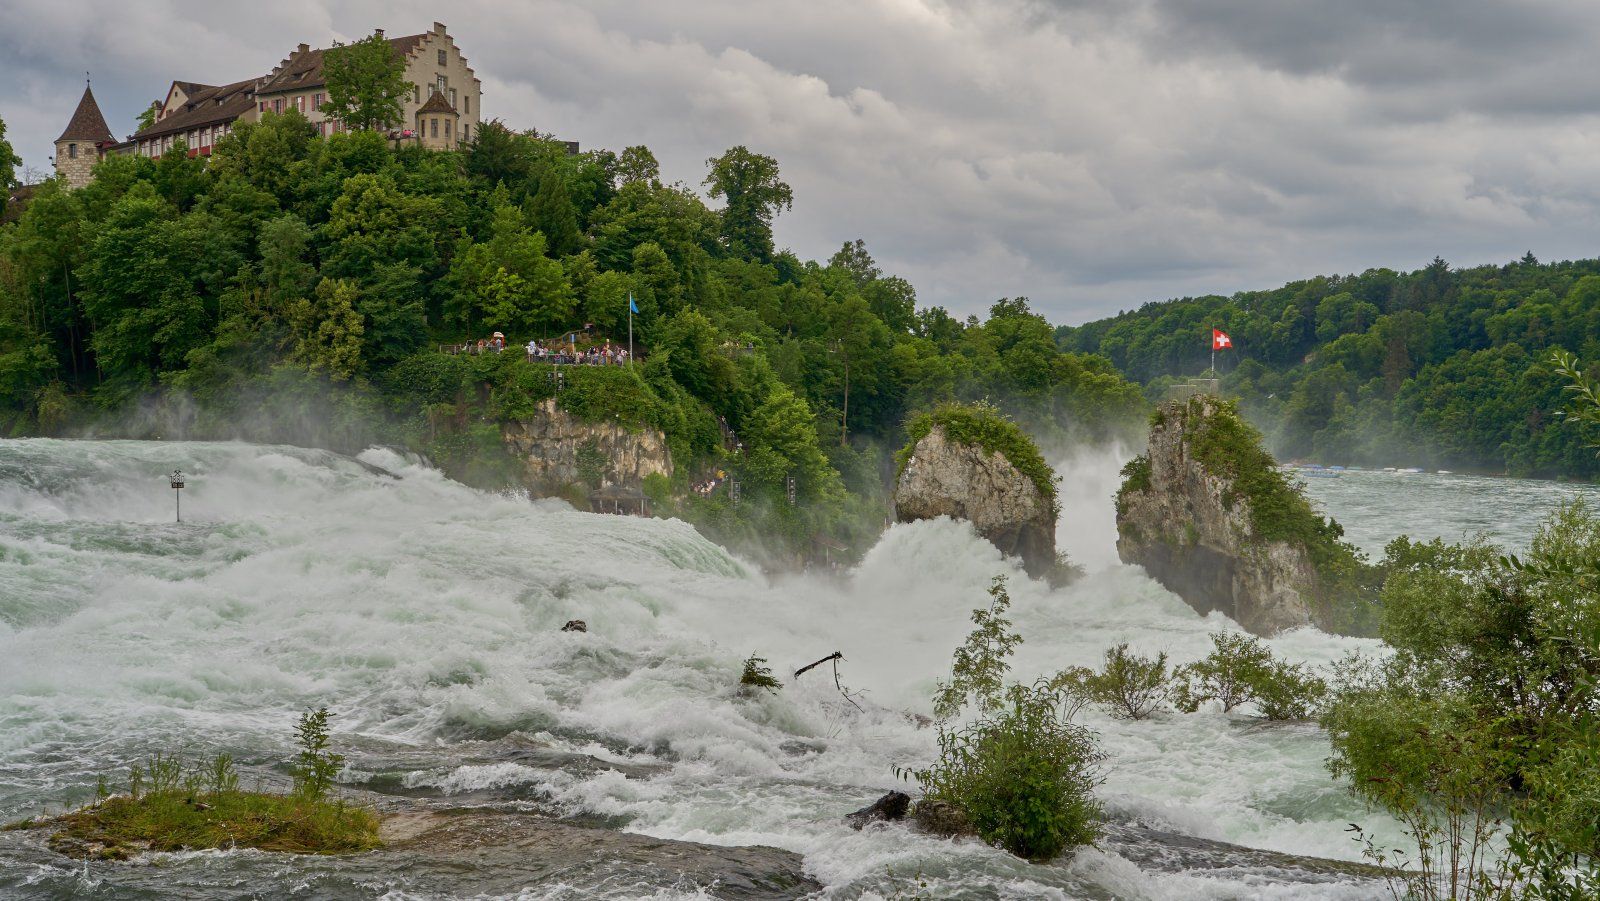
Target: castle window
277	104
316	101
452	97
441	83
447	128
434	127
72	151
468	100
416	93
444	60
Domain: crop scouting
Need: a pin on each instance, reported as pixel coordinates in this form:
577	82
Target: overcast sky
1090	154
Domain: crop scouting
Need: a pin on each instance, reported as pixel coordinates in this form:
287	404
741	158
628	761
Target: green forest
1441	367
299	289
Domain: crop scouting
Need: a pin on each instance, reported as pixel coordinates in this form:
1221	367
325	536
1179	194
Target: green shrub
978	672
1135	477
1241	670
983	425
758	675
1128	686
316	767
1024	775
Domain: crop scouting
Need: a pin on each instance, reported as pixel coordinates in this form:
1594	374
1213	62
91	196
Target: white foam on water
423	612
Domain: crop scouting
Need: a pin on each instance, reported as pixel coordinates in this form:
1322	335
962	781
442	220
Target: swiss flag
1220	340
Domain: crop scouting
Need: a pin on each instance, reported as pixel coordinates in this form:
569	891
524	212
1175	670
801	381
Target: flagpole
630	328
1213	351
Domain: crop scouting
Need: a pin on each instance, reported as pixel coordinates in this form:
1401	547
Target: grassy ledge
121	826
988	428
173	807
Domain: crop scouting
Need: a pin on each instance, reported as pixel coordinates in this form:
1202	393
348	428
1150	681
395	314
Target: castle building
442	111
84	142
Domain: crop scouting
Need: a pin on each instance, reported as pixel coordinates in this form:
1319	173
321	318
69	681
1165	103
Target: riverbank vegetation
297	288
173	806
1441	367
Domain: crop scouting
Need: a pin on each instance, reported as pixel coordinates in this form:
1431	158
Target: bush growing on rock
1022	773
1024	776
1241	670
1128	686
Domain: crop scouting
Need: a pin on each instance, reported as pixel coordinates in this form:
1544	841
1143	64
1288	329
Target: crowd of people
559	352
707	486
595	355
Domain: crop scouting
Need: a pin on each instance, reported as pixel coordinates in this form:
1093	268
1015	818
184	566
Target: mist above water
426	615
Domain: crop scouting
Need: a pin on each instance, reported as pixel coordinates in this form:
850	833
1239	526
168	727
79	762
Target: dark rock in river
509	851
575	625
887	809
942	818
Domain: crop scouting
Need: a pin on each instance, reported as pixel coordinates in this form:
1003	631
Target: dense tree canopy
291	272
1437	367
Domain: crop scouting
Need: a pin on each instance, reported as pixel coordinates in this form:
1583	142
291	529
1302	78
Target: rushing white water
427	616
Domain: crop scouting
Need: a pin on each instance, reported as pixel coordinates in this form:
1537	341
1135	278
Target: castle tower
83	143
438	123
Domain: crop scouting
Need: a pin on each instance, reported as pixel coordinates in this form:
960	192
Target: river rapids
427	616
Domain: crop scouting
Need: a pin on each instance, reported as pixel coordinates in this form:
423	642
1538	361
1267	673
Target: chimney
438	28
303	48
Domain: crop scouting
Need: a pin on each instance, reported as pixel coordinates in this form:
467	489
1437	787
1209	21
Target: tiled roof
209	106
304	68
437	104
87	124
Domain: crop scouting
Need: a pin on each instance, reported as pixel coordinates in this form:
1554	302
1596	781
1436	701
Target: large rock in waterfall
971	463
1208	514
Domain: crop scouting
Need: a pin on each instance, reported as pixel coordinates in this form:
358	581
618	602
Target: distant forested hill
1439	367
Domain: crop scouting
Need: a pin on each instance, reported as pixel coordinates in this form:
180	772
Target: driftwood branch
811	666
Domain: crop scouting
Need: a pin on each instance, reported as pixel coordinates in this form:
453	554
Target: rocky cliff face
965	481
1193	530
556	450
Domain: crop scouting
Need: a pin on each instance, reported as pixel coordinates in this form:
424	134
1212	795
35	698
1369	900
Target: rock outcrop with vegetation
1208	514
971	463
556	450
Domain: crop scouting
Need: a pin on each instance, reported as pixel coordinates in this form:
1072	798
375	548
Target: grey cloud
1092	154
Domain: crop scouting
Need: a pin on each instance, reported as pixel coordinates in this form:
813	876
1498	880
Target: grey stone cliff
961	481
1182	530
556	450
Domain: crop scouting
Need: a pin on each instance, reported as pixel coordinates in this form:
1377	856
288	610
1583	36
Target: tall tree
9	161
755	195
552	212
366	83
637	163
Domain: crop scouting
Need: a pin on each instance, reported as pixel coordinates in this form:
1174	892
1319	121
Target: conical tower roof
87	125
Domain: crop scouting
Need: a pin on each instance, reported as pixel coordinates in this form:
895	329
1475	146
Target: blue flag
632	307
